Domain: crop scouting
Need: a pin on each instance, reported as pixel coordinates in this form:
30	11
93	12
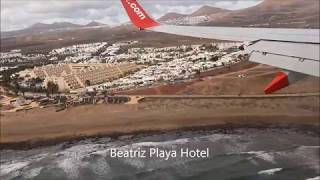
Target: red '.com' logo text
136	9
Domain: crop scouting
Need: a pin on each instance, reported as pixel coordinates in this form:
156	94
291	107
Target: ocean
249	154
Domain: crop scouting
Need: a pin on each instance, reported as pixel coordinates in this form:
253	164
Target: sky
20	14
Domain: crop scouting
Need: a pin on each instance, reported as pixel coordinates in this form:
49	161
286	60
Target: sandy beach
45	126
174	107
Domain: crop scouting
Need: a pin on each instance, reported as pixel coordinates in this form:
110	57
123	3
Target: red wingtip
137	15
280	81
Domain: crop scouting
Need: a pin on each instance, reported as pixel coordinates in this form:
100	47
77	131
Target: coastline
228	128
42	127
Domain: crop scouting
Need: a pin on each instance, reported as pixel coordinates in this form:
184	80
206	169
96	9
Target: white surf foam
32	173
101	167
12	167
262	155
215	137
315	178
70	160
150	144
164	143
134	162
269	171
306	155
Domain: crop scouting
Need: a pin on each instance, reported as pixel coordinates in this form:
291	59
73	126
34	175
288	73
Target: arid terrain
45	126
226	81
45	42
299	105
269	13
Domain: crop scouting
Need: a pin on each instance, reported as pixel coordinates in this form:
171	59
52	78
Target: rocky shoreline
42	127
312	130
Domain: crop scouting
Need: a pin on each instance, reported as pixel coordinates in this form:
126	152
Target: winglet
137	15
280	81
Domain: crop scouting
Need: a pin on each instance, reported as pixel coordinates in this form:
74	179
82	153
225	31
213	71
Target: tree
16	86
189	48
87	83
215	58
38	80
23	90
198	73
52	88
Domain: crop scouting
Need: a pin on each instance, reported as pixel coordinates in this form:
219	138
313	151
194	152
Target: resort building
75	76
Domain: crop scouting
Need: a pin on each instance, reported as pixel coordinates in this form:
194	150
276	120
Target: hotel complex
76	76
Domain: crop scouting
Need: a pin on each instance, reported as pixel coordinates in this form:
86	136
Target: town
104	69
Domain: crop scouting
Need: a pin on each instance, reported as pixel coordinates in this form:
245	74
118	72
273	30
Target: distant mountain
57	26
208	10
170	16
45	42
200	16
203	11
269	13
54	26
272	13
95	24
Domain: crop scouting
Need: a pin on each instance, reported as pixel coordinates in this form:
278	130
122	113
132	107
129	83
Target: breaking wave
241	152
270	171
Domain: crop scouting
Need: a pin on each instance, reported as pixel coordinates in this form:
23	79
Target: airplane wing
295	50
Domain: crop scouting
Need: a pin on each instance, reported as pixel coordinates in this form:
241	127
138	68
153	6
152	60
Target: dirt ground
42	126
45	125
226	81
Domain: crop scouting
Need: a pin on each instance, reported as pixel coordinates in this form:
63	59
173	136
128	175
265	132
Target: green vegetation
87	83
52	88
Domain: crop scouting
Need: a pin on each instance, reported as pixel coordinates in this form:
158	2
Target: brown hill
273	13
170	16
94	24
208	10
203	11
41	27
53	26
269	13
226	81
45	42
